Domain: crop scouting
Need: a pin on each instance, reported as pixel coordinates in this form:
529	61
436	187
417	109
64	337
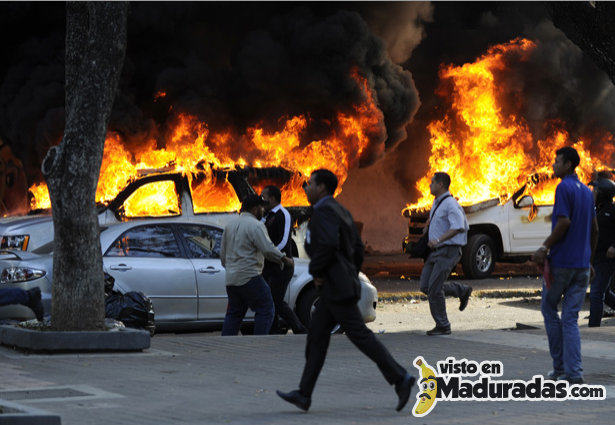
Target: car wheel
306	306
478	259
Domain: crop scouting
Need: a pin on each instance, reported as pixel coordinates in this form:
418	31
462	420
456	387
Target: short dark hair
274	192
442	178
252	201
569	154
326	177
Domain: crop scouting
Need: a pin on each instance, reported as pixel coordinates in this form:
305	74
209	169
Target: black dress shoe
463	300
403	389
439	331
296	398
35	303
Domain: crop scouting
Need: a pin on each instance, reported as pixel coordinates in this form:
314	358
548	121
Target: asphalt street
202	378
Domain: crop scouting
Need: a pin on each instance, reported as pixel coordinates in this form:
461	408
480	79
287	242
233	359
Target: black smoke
232	65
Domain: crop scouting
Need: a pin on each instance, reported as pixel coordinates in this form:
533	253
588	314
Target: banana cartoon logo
428	388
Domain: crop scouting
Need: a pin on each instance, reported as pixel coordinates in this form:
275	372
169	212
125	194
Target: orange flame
487	153
191	148
40	197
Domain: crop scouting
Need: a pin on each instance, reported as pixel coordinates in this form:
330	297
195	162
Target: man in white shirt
448	233
278	223
245	245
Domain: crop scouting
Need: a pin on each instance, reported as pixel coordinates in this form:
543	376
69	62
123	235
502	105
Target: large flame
490	154
192	149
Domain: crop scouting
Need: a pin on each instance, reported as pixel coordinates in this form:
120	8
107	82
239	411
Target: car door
202	244
529	227
148	258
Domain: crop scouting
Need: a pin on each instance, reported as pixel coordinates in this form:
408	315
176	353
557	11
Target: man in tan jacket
245	245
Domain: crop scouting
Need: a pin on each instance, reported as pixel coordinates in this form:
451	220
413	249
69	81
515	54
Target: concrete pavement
201	378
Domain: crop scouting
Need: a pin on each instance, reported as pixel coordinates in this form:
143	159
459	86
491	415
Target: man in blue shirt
568	252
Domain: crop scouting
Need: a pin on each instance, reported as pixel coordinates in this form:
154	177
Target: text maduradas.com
451	386
538	389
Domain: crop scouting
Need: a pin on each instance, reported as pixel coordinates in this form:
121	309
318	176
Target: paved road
207	379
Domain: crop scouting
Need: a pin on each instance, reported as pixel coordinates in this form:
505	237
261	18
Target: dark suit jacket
335	250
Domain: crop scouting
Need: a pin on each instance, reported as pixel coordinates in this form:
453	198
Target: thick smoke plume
230	65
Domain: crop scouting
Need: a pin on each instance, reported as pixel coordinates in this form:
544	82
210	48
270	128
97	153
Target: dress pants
436	270
599	292
324	318
278	281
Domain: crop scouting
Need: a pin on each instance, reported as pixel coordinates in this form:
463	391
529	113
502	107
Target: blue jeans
568	286
13	296
255	295
598	294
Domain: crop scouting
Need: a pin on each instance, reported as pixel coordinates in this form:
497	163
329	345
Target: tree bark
591	26
95	49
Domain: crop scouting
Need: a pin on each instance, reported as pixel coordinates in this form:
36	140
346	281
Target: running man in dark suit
336	254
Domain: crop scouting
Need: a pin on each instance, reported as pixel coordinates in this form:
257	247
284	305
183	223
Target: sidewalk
204	379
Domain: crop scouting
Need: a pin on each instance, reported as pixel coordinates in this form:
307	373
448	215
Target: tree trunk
591	26
95	49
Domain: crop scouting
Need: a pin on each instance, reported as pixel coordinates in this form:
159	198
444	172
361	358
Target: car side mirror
525	201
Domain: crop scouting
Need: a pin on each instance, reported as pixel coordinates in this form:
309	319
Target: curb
485	293
54	341
476	293
17	414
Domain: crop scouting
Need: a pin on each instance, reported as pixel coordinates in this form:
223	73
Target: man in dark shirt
336	254
278	223
604	257
574	232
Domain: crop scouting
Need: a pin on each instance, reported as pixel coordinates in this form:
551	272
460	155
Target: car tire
306	304
478	259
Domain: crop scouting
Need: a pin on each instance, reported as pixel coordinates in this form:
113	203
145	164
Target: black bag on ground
133	309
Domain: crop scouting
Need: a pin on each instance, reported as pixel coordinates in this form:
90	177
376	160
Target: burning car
173	261
158	193
501	229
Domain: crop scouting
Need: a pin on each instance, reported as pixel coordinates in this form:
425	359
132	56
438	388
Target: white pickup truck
506	232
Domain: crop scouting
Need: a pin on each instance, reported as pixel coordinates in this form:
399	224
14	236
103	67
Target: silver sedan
175	262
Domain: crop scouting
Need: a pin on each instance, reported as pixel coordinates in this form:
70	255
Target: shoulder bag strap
434	210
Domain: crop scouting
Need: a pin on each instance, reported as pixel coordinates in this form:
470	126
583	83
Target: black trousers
278	281
325	317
